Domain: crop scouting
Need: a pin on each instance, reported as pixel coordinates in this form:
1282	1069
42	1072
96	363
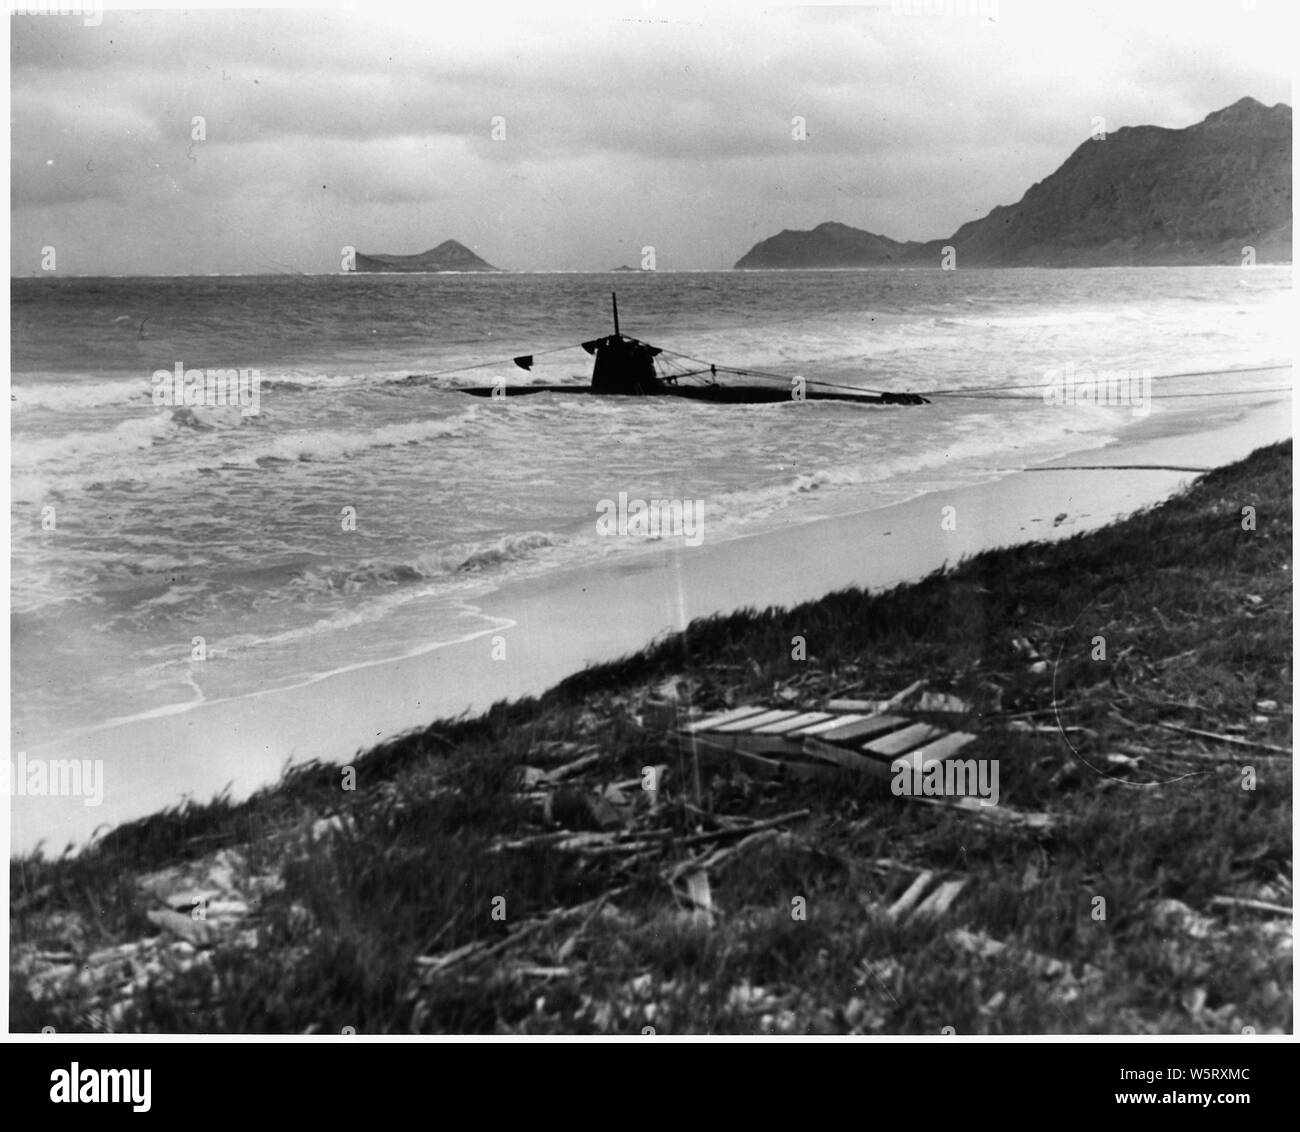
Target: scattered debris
940	900
864	736
1232	739
697	889
1174	915
1249	905
905	903
983	946
568	770
200	933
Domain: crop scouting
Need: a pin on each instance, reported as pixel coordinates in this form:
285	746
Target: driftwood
911	897
940	900
1255	744
1233	740
570	769
714	835
715	857
1251	905
481	949
643	843
994	815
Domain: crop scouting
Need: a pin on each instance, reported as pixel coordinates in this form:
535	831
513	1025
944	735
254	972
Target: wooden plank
763	744
940	900
942	748
1251	905
863	729
871	706
722	718
843	757
697	888
753	721
905	903
764	768
902	741
839	719
806	719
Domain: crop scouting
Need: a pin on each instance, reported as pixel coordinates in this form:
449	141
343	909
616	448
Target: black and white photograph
650	521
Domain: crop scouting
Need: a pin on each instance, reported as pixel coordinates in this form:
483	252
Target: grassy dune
441	894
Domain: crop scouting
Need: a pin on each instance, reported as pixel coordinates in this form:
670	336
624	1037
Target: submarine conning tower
624	365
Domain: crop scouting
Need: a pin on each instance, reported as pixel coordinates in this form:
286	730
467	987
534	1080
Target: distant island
450	255
624	267
1143	195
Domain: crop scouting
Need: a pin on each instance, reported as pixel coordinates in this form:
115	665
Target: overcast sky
625	125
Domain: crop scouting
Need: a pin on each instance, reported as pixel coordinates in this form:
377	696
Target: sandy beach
537	633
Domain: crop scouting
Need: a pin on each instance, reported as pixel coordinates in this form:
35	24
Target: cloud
378	124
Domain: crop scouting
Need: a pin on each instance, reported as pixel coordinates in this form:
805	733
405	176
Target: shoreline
736	895
594	614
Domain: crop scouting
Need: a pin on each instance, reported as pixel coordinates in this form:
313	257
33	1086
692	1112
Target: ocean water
368	506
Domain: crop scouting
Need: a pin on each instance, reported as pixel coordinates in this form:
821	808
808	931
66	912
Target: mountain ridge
1142	195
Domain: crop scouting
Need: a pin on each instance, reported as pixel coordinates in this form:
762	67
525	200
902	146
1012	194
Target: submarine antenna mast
614	295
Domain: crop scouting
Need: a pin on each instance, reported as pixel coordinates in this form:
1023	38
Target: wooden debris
833	723
909	899
1250	905
940	900
796	723
941	749
756	764
198	932
898	742
907	695
861	729
772	715
715	857
754	827
568	770
864	740
1231	739
481	949
870	707
713	722
701	898
849	760
994	815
